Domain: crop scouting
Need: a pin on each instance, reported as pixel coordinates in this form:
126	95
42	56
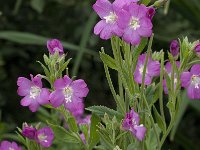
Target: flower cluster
132	124
6	145
67	92
43	136
124	18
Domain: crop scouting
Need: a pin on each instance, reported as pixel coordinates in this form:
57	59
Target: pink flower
6	145
34	94
29	131
54	45
135	22
152	70
108	13
191	81
70	93
45	137
131	123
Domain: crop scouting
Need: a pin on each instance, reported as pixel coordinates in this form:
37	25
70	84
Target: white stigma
141	69
111	18
195	81
34	92
68	92
10	148
134	23
42	137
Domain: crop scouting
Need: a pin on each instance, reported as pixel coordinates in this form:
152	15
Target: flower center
42	137
142	69
195	81
34	92
10	148
67	91
111	18
134	23
134	122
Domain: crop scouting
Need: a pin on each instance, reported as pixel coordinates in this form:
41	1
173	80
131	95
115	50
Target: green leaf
133	146
146	2
151	141
159	120
62	135
182	109
94	137
71	122
38	5
107	60
101	110
33	39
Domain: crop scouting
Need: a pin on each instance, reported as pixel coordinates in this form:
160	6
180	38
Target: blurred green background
25	26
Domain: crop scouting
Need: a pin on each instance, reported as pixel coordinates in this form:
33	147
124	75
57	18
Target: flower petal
140	132
99	27
195	70
102	8
80	88
193	93
26	101
34	106
153	68
57	98
24	86
185	79
43	98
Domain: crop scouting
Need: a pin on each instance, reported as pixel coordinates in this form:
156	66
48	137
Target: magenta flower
197	48
29	131
131	123
34	94
108	13
6	145
191	81
152	70
174	48
54	45
45	137
151	12
85	120
68	92
168	68
135	22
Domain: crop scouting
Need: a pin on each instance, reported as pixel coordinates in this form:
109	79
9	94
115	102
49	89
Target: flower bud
151	12
55	45
29	131
197	48
174	48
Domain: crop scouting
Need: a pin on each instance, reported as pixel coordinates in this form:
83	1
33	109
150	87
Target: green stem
83	43
161	88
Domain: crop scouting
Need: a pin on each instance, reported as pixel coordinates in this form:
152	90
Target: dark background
25	25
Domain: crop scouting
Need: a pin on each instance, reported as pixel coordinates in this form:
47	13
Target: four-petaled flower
108	13
6	145
34	94
135	22
45	137
168	68
68	92
54	45
191	81
153	69
131	123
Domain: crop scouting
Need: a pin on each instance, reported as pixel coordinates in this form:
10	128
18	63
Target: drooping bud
151	12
